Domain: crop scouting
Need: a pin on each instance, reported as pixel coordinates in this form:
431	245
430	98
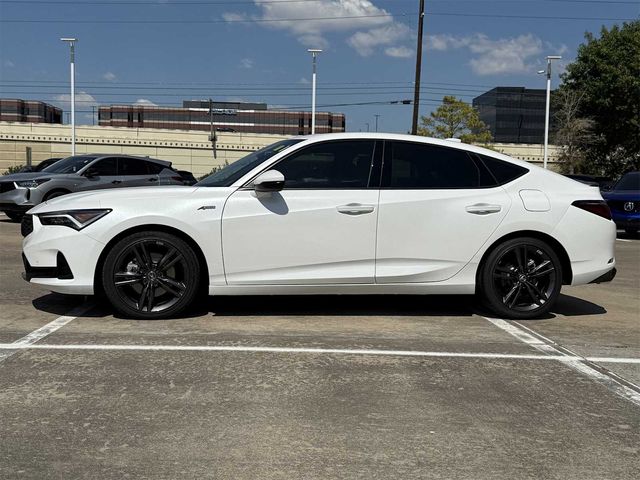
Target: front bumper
44	250
17	200
607	277
626	220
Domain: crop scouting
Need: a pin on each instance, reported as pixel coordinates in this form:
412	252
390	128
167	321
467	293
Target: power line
314	19
155	3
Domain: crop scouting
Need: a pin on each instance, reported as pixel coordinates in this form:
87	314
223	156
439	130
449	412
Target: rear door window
410	165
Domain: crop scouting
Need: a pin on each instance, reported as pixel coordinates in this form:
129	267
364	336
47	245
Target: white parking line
614	383
623	240
31	338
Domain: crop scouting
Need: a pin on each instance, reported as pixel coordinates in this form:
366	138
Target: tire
14	216
54	194
150	275
520	279
628	230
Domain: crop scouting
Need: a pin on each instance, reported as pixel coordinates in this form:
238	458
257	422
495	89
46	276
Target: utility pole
377	116
416	95
212	133
314	52
72	51
367	124
547	108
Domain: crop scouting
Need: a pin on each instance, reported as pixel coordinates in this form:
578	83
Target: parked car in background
624	201
21	191
41	166
332	214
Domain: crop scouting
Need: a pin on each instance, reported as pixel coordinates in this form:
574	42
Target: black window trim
472	156
376	143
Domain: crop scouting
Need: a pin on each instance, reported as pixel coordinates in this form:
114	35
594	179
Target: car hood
629	195
16	177
111	198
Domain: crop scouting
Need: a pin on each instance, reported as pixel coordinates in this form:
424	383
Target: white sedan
331	214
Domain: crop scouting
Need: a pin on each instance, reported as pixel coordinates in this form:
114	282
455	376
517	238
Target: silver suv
21	191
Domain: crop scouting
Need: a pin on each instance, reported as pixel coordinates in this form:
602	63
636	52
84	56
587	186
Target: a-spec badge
207	207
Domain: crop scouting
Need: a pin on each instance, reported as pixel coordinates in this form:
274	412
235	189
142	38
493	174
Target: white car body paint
299	242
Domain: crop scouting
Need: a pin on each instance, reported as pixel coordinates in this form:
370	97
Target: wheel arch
204	272
47	195
560	251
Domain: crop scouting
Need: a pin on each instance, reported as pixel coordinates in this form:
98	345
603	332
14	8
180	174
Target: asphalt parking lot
321	387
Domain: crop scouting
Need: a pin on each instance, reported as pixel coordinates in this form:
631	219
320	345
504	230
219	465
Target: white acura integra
331	214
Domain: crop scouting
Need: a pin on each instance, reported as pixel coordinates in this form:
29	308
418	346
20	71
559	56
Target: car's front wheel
151	275
521	278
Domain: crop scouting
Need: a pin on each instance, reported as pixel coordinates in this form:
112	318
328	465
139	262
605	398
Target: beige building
188	150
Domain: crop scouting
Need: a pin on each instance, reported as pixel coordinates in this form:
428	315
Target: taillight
598	207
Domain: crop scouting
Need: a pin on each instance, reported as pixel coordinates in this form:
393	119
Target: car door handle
115	182
355	209
483	209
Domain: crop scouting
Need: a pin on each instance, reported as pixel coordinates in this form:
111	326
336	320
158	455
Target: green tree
455	119
606	73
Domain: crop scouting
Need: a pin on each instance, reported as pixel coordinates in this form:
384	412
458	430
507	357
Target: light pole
314	53
72	50
377	117
546	114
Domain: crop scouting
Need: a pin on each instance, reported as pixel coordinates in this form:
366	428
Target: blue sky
169	50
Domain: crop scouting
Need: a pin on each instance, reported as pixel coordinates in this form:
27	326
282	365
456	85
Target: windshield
229	174
70	164
631	181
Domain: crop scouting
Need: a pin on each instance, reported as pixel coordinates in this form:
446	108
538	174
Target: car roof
148	159
451	143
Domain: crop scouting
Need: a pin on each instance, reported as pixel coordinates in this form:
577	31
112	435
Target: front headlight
31	183
76	219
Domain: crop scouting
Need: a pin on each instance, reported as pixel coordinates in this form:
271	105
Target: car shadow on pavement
321	305
342	305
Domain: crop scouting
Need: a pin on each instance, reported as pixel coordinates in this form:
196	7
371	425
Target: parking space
346	387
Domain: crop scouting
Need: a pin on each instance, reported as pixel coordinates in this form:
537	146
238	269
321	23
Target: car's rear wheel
151	275
521	278
14	216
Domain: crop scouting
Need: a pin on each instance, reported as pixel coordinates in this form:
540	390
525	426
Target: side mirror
269	181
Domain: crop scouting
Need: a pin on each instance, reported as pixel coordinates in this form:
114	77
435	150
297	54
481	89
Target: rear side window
155	168
133	166
503	172
329	165
423	166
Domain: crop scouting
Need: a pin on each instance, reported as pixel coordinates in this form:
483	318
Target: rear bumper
607	277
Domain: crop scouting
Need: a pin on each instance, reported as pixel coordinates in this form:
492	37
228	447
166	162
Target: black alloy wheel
151	275
521	278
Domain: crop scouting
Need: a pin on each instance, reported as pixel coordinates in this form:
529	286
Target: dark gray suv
21	191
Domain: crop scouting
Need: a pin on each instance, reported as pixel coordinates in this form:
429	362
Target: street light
314	53
72	50
546	115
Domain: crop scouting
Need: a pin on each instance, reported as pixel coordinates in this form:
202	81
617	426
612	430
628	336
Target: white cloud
110	77
304	81
9	64
83	100
144	101
365	42
493	57
246	63
234	17
399	52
